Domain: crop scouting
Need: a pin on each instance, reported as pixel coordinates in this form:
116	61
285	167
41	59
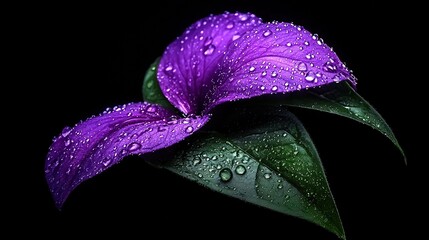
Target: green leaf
151	91
341	99
265	158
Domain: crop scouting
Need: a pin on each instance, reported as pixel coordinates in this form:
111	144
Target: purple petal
275	58
187	66
94	145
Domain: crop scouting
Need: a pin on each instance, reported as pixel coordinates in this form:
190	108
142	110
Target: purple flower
218	59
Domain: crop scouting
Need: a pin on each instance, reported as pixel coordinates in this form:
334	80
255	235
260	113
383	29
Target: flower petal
186	68
275	58
94	145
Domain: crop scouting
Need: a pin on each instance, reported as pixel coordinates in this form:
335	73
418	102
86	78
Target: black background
89	58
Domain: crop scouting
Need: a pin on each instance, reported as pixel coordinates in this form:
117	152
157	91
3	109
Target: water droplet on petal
208	41
168	69
66	131
240	170
151	109
267	33
264	73
306	43
107	162
230	25
251	69
274	88
67	143
274	74
309	56
243	17
134	146
189	129
208	50
302	67
329	67
235	37
225	175
288	44
310	77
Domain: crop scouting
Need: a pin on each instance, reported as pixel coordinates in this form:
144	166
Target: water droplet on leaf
225	175
240	170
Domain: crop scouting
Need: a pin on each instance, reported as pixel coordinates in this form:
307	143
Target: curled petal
274	58
94	145
188	64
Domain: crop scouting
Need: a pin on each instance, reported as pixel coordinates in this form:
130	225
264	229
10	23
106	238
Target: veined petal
274	58
94	145
187	66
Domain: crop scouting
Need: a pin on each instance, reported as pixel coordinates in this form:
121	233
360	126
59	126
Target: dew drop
235	37
240	170
309	56
149	84
302	67
267	33
150	109
134	146
168	69
208	41
208	50
264	73
267	175
274	88
310	76
306	43
67	143
66	131
225	175
107	162
243	17
288	44
230	25
189	129
315	36
274	74
329	67
251	69
197	161
262	88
